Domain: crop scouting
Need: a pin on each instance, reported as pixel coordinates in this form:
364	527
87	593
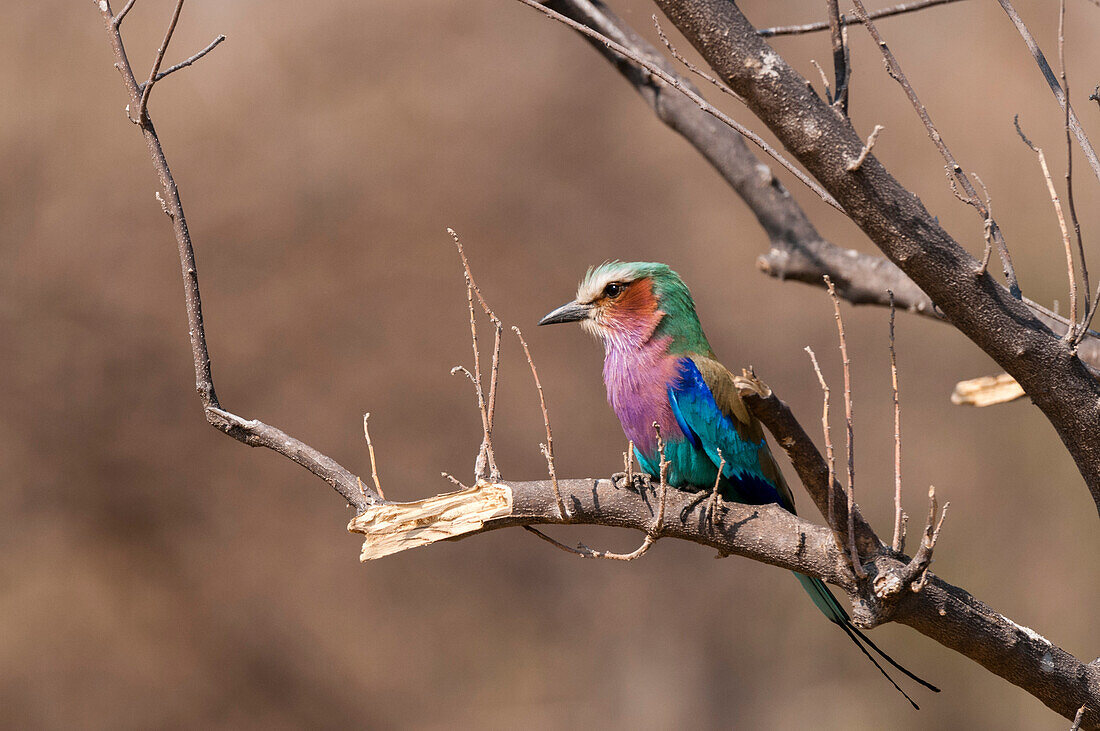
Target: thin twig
117	20
373	465
486	465
692	67
585	552
548	448
1055	87
840	57
1071	331
791	30
147	87
899	534
1069	167
894	69
856	566
1087	323
824	81
830	456
702	103
917	571
496	338
184	64
712	507
662	472
1078	718
870	144
987	226
454	480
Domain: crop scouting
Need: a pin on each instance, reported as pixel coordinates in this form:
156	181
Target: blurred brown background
155	573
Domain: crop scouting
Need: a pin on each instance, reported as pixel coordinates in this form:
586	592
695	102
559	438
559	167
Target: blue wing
712	424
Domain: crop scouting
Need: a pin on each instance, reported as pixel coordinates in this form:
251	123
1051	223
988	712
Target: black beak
571	312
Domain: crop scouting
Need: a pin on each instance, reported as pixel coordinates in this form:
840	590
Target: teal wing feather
709	410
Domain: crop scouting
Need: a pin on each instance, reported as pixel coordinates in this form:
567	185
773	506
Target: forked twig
548	447
117	20
916	573
856	565
486	465
187	62
147	87
252	432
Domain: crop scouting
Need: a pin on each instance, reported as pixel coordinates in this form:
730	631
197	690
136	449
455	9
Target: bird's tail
830	607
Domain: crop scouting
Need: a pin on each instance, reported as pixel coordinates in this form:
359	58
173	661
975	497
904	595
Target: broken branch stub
396	527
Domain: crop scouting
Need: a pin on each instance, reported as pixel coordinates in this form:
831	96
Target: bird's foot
748	382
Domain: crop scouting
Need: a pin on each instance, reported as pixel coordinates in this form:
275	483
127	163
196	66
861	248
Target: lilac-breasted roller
660	368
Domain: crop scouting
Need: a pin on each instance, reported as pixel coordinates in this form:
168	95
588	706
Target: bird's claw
748	381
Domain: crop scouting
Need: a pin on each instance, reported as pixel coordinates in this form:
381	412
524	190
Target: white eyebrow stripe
599	277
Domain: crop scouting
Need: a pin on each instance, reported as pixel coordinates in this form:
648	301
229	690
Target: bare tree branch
147	87
954	169
896	221
766	533
790	30
798	252
1055	87
187	62
1071	333
690	92
252	432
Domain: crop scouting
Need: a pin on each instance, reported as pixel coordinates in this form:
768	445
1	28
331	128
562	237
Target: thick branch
766	533
896	221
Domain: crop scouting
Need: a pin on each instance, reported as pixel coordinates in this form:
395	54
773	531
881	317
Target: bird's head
625	303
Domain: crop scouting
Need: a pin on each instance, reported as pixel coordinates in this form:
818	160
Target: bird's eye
613	290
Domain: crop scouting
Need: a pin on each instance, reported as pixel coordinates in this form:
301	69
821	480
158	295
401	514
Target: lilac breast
637	379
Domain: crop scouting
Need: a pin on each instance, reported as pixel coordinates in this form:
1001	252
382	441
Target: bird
661	373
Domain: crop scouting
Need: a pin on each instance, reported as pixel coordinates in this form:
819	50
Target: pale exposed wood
987	390
398	527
